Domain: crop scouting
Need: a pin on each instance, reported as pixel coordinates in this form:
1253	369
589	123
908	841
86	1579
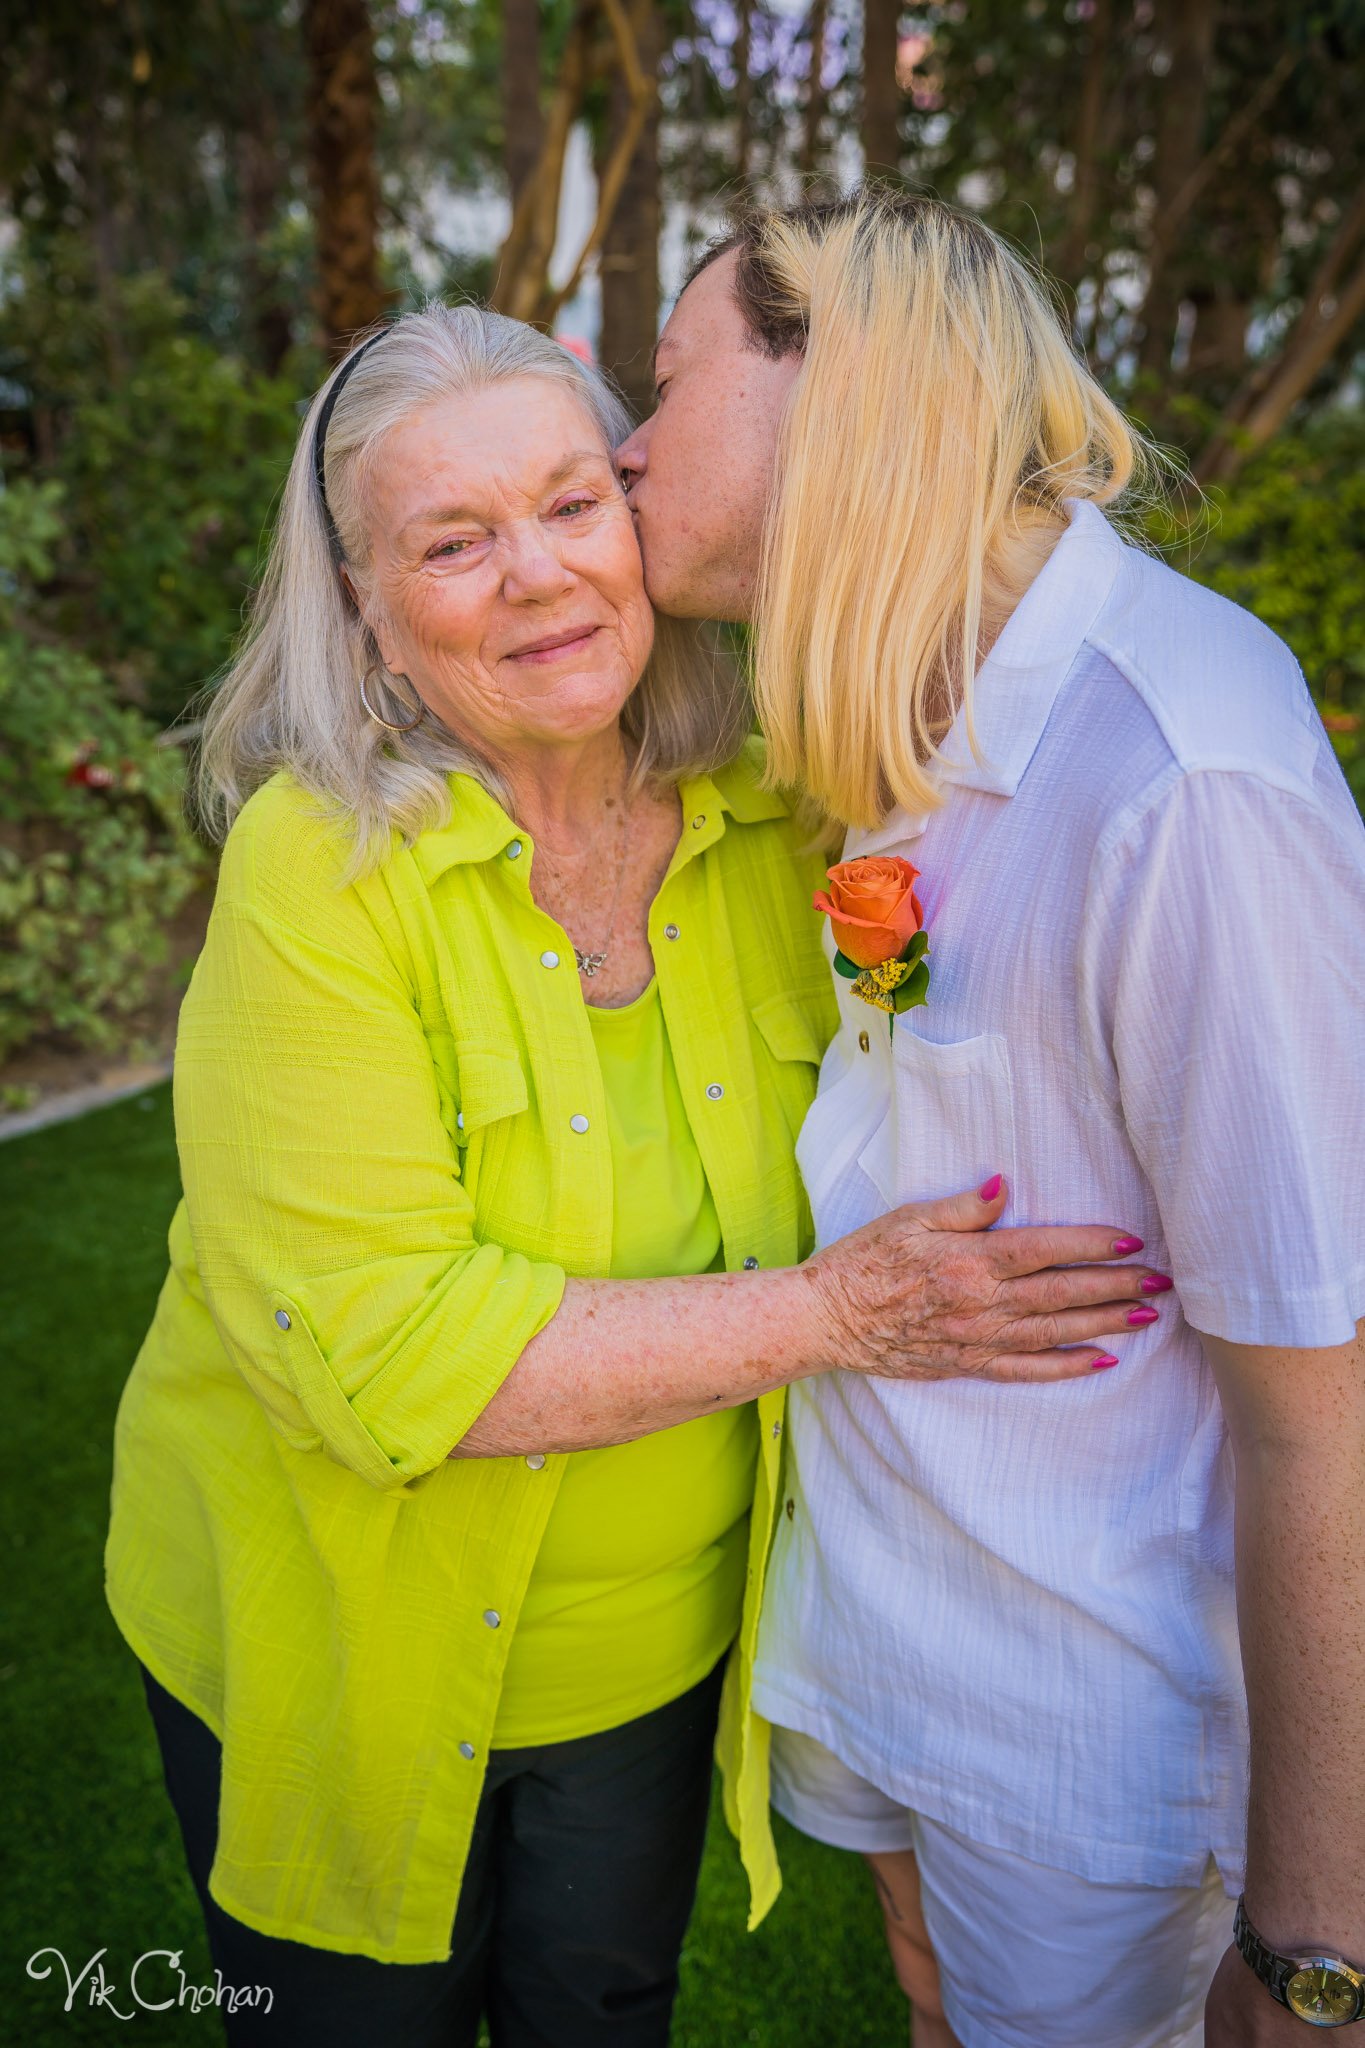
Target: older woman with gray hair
446	1473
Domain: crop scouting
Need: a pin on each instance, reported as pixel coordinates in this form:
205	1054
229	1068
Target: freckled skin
702	464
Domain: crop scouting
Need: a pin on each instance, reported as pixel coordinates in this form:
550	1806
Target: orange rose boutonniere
878	928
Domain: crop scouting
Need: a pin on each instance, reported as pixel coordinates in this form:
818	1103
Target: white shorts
1029	1957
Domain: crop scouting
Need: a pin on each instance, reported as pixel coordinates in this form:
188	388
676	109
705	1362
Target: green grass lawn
92	1853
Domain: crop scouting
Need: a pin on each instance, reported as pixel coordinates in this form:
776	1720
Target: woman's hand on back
930	1291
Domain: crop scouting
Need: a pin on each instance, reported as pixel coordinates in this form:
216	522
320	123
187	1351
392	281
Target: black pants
572	1910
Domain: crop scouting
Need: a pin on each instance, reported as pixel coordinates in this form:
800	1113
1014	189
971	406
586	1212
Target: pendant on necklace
588	963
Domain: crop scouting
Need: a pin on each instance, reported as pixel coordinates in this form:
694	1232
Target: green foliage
171	454
95	855
1285	542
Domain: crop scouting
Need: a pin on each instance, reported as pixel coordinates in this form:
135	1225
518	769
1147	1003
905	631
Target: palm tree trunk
343	98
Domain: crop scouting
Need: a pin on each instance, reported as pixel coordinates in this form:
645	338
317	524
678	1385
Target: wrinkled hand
930	1291
1240	2012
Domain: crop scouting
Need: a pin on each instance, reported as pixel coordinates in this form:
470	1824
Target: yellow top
394	1144
639	1580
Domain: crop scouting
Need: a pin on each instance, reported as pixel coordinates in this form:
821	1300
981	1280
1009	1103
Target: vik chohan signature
156	1982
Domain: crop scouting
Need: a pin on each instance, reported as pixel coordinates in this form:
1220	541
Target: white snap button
514	850
467	1751
492	1617
536	1460
578	1123
715	1091
459	1119
777	1429
751	1264
282	1318
670	931
549	959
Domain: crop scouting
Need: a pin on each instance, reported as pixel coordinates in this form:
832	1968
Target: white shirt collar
1017	684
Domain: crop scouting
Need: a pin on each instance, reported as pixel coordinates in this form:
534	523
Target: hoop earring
388	723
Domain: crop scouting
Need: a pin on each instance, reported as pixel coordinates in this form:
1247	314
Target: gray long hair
291	697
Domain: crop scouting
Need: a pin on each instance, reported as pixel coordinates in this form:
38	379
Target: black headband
324	421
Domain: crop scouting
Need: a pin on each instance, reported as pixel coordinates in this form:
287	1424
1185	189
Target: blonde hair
291	697
939	419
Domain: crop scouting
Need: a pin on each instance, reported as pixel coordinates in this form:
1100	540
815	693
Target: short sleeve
1230	926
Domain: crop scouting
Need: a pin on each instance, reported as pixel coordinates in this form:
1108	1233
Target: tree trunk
522	286
260	176
1187	29
1331	311
815	88
1070	260
881	91
743	94
343	100
629	266
522	125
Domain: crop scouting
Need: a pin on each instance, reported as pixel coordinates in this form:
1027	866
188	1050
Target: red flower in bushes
90	775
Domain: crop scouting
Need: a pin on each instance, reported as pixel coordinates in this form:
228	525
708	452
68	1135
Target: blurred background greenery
200	200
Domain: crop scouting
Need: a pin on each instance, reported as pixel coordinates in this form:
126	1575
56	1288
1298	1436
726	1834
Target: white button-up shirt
1012	1607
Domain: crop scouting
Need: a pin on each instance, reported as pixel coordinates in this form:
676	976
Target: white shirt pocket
949	1121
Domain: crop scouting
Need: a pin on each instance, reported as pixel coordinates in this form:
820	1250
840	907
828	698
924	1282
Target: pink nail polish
1157	1283
1103	1362
1124	1247
992	1188
1138	1316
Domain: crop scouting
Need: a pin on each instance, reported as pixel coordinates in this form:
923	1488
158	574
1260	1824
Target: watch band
1277	1972
1273	1969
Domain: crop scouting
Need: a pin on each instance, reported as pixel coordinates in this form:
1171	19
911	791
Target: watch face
1323	1995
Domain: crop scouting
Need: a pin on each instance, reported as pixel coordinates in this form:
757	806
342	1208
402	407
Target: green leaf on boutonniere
844	966
914	990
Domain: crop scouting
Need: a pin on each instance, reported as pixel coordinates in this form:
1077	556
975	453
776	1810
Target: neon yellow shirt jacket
394	1147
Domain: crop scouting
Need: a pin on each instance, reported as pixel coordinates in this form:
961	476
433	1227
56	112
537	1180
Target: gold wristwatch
1322	1990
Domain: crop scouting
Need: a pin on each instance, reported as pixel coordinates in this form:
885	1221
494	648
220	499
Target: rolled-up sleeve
332	1232
1234	931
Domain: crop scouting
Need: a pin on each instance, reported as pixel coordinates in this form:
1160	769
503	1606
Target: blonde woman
446	1473
1000	1640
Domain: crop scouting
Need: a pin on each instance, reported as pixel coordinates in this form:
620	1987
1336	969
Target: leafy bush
172	454
1285	541
95	854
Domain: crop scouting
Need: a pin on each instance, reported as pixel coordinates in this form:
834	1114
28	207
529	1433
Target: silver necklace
588	963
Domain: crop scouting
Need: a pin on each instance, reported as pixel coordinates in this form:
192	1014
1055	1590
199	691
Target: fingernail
1157	1283
1102	1363
1138	1316
991	1189
1124	1247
